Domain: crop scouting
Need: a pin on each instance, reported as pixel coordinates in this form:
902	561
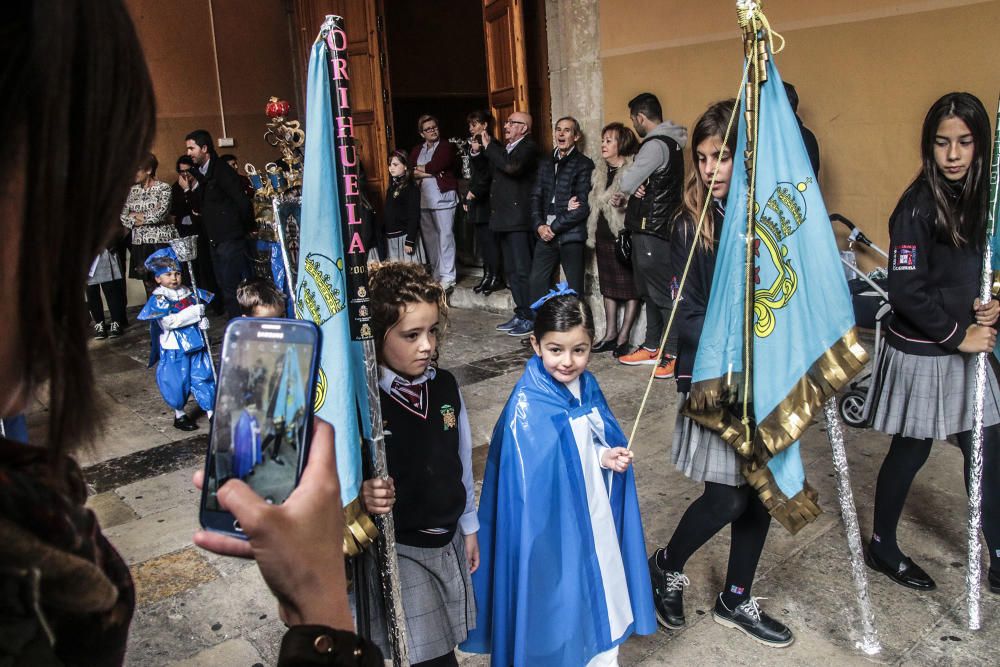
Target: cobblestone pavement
195	608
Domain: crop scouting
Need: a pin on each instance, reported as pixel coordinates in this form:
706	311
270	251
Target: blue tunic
563	572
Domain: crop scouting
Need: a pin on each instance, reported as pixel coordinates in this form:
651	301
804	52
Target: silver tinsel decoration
869	643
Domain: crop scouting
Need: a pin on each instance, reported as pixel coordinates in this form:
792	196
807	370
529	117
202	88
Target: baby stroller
870	299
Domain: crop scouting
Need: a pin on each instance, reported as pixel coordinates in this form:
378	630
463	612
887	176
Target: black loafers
907	574
604	346
185	423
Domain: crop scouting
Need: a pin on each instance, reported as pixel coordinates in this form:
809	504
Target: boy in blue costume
563	578
176	326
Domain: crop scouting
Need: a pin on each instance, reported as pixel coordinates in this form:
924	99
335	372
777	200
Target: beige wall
866	72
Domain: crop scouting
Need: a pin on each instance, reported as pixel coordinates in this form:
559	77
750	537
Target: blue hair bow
561	289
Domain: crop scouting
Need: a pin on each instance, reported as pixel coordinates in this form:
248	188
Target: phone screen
262	408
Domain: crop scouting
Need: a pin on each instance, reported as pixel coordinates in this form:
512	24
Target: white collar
173	294
387	375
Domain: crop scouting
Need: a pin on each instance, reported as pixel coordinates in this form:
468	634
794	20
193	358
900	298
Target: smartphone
262	425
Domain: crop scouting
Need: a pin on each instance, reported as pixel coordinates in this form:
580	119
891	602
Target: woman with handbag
604	227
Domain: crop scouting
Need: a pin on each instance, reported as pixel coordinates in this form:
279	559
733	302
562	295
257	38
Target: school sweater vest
421	446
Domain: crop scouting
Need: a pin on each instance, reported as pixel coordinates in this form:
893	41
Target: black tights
905	458
720	505
446	660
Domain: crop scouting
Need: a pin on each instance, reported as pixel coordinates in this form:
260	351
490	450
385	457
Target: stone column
576	85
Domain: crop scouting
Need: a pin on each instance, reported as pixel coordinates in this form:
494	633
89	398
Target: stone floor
199	609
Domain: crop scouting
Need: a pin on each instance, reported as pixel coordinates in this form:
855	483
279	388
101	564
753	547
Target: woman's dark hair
480	116
625	137
393	285
961	220
256	292
184	159
713	123
79	72
562	313
149	163
405	160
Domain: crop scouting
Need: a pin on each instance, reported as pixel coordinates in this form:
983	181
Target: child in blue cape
563	578
176	326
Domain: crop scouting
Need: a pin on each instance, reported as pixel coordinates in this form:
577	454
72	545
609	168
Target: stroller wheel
852	408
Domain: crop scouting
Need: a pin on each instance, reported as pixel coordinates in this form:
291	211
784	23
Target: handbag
623	247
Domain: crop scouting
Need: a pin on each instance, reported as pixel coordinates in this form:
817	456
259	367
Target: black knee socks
720	505
905	458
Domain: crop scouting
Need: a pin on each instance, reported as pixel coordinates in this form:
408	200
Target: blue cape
540	591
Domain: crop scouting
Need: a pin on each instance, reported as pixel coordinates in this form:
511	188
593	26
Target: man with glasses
434	169
513	167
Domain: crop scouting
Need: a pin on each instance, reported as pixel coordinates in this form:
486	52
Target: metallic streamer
973	571
869	643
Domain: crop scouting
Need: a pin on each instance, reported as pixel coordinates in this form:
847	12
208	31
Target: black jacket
480	181
513	178
691	307
402	212
558	181
654	212
932	284
226	211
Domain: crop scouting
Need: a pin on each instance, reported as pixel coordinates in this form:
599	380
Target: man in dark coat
513	168
560	233
214	190
808	138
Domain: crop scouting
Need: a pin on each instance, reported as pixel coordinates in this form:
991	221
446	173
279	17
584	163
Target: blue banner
321	291
803	347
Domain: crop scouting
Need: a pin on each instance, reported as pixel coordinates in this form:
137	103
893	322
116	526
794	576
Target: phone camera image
261	414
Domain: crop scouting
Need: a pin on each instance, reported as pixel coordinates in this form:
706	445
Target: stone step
463	297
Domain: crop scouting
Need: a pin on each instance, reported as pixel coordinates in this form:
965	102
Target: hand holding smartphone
261	430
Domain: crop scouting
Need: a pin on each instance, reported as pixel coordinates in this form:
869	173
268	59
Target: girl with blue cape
563	578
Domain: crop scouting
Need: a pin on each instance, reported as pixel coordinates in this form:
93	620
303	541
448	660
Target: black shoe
115	331
100	333
754	623
994	579
185	423
604	346
621	350
509	324
495	285
907	573
668	595
482	283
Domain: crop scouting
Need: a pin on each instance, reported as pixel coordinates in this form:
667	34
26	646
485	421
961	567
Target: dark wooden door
507	79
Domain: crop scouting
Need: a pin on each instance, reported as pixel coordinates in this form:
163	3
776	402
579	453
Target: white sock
178	414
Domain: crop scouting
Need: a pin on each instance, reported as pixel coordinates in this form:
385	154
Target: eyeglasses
430	129
514	122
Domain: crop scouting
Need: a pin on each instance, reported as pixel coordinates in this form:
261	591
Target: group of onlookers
209	199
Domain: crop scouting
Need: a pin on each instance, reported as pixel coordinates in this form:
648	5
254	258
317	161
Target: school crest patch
904	258
448	417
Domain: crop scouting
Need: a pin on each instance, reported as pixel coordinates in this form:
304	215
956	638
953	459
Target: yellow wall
866	72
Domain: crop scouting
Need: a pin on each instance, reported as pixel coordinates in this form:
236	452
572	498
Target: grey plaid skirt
928	396
701	454
437	600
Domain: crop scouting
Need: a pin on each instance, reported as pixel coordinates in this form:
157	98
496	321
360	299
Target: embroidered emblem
448	417
736	590
904	258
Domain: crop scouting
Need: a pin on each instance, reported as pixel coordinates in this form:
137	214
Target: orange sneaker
641	357
665	370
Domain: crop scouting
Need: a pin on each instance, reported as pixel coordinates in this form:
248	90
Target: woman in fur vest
618	145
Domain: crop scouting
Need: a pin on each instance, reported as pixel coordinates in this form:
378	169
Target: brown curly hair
393	285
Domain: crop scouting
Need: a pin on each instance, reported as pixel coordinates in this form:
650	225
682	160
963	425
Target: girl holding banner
923	389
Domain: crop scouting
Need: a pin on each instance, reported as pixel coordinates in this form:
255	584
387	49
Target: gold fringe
792	513
359	529
709	405
792	416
